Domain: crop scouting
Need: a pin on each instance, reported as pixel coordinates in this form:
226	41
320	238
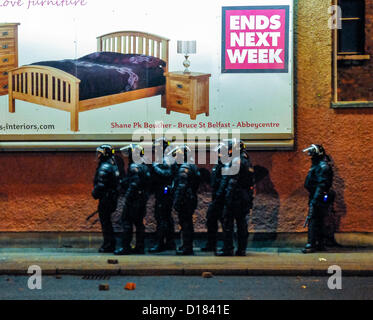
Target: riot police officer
238	183
215	209
136	196
162	177
185	199
318	183
106	183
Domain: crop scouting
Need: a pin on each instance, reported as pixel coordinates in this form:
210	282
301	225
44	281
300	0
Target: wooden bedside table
8	53
187	93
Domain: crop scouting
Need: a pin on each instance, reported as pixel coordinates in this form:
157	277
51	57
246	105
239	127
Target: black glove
310	212
95	195
309	217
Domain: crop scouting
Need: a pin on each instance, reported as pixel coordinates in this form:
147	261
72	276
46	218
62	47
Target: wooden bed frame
57	89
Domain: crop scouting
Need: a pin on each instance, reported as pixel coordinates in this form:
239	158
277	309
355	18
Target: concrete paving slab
266	262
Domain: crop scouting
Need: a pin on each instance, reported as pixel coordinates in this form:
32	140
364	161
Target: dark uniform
215	209
238	203
318	183
163	175
185	200
134	209
106	183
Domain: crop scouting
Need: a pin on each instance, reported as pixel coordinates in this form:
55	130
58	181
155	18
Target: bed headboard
135	42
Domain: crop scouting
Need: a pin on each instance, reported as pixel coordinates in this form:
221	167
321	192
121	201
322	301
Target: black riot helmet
221	150
160	146
162	142
234	144
104	151
131	149
181	150
315	150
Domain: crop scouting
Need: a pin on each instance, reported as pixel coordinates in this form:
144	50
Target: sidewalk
259	261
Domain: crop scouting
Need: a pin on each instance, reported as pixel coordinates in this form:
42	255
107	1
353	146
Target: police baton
306	222
91	215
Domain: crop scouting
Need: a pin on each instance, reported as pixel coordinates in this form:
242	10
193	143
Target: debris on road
207	274
130	286
103	287
322	259
112	261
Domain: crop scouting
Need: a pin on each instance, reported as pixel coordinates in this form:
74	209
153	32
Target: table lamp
186	48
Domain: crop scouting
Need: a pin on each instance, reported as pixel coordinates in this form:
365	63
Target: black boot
224	253
107	248
308	248
332	243
169	235
240	253
140	242
139	248
108	245
123	251
184	251
210	246
227	250
241	247
159	247
320	247
170	245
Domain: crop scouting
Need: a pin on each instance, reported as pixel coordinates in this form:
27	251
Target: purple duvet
107	73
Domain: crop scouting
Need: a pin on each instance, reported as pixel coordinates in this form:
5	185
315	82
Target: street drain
96	277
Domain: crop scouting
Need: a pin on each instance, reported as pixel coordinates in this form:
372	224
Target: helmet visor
311	150
126	150
99	152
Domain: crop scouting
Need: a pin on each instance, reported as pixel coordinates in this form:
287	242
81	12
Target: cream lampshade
186	48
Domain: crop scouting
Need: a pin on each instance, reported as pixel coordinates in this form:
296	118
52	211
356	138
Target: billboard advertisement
255	39
92	70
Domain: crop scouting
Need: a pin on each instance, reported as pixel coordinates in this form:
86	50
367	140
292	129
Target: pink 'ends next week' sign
255	39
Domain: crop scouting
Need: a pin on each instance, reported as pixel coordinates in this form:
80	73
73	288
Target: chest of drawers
187	93
8	53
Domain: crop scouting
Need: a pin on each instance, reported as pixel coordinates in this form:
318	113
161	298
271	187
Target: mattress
108	73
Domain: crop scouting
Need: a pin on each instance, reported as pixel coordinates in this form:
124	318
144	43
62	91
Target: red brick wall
355	82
